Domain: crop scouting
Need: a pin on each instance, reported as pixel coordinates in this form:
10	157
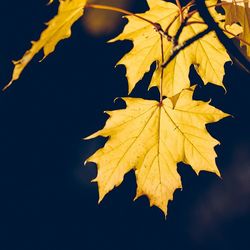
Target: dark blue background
47	200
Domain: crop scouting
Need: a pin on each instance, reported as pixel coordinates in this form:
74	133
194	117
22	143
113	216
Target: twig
156	26
224	30
176	37
178	48
169	37
111	8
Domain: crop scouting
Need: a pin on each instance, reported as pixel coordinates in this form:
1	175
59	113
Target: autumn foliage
153	136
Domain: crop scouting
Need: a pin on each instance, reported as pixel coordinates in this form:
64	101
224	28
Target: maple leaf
207	54
57	29
239	12
152	138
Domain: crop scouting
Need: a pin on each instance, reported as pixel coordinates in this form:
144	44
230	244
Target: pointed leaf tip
58	28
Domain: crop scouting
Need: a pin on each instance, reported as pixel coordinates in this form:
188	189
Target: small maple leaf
58	28
238	11
207	54
151	138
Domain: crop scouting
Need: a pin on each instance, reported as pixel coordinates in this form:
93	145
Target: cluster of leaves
153	136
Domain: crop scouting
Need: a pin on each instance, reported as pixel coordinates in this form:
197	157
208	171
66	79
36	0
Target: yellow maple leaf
238	11
207	54
58	28
152	138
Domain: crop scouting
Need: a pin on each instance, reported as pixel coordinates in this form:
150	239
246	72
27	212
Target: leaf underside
151	139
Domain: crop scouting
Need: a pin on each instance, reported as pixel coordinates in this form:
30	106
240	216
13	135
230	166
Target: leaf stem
119	10
180	9
162	69
156	26
190	4
236	37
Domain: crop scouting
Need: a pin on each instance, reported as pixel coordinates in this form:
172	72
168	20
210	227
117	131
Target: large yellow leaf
58	28
238	11
207	54
152	138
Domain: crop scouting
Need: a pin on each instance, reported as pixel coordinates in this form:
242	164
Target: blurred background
47	200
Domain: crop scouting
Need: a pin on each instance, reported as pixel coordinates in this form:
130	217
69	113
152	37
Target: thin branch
224	30
178	48
169	37
156	26
228	44
119	10
175	38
